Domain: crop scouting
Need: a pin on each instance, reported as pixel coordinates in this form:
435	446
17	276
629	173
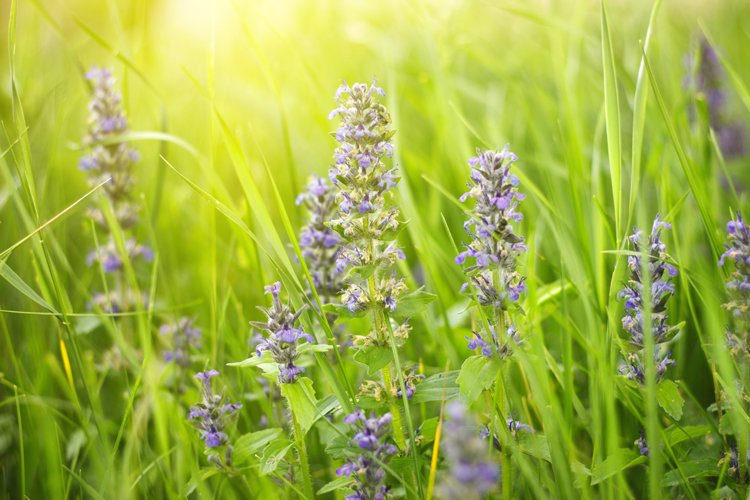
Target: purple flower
183	335
211	416
371	436
660	276
471	473
495	246
707	78
642	445
282	335
362	175
320	244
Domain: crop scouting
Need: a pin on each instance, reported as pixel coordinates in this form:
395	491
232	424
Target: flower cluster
212	416
660	274
107	157
110	160
367	467
471	474
495	245
183	335
366	222
320	244
708	78
495	346
283	335
738	252
633	368
109	256
642	445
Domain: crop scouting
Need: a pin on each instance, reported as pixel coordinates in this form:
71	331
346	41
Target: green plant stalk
398	426
304	463
653	433
378	320
405	399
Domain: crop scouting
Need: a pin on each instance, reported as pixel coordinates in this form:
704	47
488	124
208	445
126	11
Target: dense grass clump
447	317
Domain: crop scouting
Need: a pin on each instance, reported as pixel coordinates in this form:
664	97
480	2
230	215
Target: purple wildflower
183	335
211	417
738	252
320	244
110	160
494	345
495	245
283	335
660	274
107	157
642	445
471	473
411	379
367	467
365	220
708	79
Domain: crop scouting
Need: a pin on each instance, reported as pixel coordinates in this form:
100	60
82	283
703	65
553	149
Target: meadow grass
227	104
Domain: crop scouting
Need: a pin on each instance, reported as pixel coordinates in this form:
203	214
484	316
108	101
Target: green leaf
670	399
307	347
274	453
535	445
477	374
427	430
20	285
301	398
339	447
677	435
342	310
336	484
691	469
249	444
413	303
440	387
373	357
265	362
618	461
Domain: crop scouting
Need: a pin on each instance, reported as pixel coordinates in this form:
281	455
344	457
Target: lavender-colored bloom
492	278
282	335
411	379
108	158
183	336
211	416
516	426
365	220
320	244
366	467
708	78
738	253
633	368
115	302
109	256
471	473
734	467
642	445
493	345
662	288
495	246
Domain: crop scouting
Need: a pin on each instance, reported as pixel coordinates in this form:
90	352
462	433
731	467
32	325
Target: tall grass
227	104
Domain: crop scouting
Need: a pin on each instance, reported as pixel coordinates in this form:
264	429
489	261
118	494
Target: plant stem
398	426
304	464
405	399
